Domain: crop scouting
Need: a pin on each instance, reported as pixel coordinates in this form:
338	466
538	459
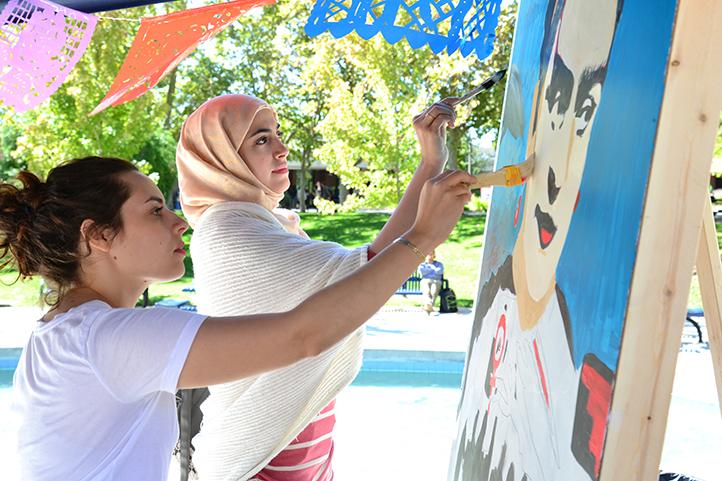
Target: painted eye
553	102
584	115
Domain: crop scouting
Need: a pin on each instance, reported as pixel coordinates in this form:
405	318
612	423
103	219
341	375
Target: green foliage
158	153
477	205
347	102
325	206
9	165
18	292
61	129
368	137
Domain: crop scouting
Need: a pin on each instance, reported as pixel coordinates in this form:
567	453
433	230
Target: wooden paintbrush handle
507	176
487	179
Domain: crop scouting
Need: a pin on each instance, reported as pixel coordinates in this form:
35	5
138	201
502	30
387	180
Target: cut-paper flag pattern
465	25
162	42
40	43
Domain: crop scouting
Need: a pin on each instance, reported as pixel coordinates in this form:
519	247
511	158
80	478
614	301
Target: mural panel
584	92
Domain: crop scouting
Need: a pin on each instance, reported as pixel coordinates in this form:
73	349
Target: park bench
695	312
177	304
412	285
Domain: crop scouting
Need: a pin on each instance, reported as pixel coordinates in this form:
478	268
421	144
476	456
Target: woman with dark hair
94	387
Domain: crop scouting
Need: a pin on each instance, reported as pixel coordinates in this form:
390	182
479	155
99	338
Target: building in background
319	182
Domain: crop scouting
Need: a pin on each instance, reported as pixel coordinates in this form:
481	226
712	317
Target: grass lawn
21	293
460	256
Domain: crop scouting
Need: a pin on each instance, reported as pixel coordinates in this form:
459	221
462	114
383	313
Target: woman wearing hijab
250	256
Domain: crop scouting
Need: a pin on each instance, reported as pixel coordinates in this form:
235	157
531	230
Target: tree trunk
170	97
342	192
398	185
301	181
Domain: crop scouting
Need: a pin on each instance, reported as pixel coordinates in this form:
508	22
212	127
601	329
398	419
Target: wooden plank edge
667	245
709	270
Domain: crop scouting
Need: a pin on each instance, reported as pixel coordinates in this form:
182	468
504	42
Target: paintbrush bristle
527	167
499	75
508	176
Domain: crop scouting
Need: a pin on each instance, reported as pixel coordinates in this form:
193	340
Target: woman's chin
172	275
281	187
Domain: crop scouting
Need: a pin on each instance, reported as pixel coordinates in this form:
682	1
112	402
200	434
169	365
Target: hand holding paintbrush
509	175
432	121
485	85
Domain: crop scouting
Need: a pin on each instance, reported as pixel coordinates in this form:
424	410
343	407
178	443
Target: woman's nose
181	224
281	150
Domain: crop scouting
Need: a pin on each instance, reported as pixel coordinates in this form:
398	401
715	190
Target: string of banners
467	26
41	42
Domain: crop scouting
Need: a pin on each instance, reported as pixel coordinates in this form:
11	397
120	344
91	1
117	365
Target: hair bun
17	215
33	193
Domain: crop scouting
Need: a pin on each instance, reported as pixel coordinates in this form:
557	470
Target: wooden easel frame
709	272
668	240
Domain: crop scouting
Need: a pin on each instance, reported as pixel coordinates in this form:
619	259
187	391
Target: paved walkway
16	323
415	330
389	329
420	422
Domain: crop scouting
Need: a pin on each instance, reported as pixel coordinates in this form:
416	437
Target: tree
9	165
368	137
347	102
262	55
60	128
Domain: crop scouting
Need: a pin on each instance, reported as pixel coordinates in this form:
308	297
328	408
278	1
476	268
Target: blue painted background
596	265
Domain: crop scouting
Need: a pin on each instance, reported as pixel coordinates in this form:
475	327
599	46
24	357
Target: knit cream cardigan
245	262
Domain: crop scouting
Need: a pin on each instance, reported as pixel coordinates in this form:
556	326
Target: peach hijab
210	168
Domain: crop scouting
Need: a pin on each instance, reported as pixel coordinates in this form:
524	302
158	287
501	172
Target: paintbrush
507	176
485	85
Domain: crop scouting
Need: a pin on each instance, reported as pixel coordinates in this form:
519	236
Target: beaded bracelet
412	246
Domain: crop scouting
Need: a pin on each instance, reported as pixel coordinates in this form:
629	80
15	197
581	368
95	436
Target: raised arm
231	348
430	126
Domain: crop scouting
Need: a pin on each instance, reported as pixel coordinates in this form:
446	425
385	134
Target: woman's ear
96	239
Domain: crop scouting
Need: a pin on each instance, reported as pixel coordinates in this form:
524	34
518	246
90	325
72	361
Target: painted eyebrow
262	131
562	82
590	77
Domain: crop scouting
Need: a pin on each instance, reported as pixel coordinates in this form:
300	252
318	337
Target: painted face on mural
570	95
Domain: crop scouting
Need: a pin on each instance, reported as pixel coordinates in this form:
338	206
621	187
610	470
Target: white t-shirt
94	393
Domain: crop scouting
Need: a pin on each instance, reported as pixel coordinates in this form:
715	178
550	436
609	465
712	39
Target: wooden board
586	268
667	246
709	270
